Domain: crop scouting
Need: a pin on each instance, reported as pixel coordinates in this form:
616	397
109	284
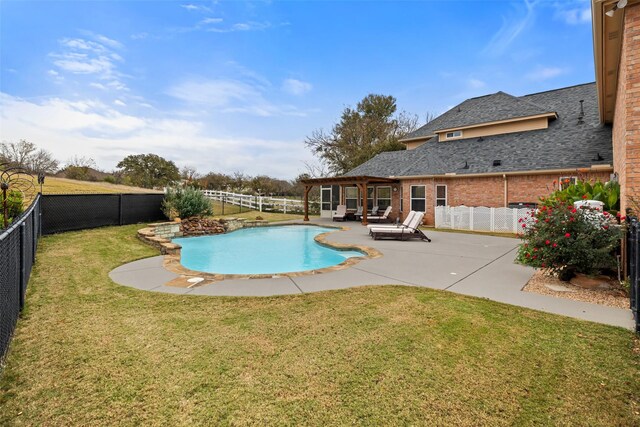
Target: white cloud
296	87
93	129
513	24
230	96
119	103
476	83
206	21
546	73
80	56
195	7
139	36
573	12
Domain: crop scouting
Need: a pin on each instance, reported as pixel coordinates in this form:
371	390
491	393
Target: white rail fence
261	203
481	219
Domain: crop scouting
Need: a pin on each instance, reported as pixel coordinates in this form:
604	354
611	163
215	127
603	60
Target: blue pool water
261	250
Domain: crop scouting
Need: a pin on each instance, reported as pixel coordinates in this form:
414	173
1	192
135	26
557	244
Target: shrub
568	240
185	203
15	206
607	193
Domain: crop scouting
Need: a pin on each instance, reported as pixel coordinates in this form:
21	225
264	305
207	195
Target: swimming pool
261	250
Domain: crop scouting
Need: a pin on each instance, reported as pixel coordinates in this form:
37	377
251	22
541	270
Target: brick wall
626	129
489	191
632	39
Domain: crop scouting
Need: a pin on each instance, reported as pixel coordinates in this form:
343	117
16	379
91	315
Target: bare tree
81	162
26	155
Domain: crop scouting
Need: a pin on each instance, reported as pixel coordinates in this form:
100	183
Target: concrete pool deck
469	264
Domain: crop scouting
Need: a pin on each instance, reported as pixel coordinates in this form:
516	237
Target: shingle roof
483	109
566	143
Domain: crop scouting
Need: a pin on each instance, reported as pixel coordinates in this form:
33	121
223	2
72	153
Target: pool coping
171	261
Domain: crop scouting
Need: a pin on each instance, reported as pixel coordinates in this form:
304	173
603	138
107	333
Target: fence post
471	218
119	209
260	202
492	227
453	218
285	205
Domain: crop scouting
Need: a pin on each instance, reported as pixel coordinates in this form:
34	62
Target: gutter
593	168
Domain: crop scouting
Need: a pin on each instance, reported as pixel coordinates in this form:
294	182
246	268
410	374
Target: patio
475	265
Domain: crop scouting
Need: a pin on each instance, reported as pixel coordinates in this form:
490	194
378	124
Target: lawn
53	185
236	212
90	352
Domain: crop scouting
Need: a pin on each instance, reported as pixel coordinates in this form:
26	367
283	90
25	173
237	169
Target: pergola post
365	203
307	189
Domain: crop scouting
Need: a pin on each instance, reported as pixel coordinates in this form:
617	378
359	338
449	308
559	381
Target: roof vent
459	110
480	139
497	162
598	158
466	165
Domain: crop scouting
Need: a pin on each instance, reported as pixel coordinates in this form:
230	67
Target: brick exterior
489	191
626	125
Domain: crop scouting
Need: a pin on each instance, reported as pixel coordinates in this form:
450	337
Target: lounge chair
381	218
358	213
374	211
402	233
405	223
341	213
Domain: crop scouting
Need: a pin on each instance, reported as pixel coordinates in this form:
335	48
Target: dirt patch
546	284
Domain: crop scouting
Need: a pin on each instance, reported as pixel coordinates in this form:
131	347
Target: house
494	150
616	41
501	150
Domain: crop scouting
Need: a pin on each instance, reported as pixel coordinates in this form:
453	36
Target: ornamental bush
607	193
567	240
185	203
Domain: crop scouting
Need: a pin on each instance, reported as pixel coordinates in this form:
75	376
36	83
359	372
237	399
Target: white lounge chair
358	213
405	223
380	218
402	233
374	211
340	214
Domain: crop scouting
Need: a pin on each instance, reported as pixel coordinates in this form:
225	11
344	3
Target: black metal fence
18	246
633	258
68	212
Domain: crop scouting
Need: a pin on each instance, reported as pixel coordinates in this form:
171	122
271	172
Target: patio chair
402	233
381	218
358	213
340	214
374	211
405	223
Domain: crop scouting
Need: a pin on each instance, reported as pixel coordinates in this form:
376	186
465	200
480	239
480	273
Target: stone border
171	262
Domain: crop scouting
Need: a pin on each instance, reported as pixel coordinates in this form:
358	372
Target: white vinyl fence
481	218
261	203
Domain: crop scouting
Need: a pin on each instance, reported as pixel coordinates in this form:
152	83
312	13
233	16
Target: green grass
235	212
54	185
90	352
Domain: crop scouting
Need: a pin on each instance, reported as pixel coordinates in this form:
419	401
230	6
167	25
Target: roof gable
499	106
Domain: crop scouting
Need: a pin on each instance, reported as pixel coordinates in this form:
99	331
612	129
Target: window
566	181
418	198
370	198
454	134
441	195
326	198
383	197
351	197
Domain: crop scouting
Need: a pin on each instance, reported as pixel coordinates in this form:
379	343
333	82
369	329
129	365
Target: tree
149	170
26	155
362	133
79	167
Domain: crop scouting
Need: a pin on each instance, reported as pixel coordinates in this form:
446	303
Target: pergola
359	181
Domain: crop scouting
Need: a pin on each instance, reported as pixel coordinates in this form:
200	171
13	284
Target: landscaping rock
201	226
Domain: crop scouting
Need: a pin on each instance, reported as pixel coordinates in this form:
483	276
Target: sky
235	86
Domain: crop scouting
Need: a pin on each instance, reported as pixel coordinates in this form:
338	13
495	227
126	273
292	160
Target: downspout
506	190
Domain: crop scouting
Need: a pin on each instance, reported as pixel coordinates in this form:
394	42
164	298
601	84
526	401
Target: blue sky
236	86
